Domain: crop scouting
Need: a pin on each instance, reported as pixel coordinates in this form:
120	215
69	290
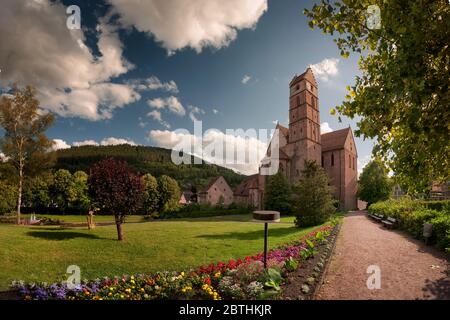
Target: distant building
217	190
335	151
185	198
440	191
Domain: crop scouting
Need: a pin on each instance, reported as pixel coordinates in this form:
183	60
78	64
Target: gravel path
409	269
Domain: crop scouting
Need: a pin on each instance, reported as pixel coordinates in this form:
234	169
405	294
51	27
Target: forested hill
143	159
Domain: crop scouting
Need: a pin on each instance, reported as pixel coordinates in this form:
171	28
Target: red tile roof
250	183
335	139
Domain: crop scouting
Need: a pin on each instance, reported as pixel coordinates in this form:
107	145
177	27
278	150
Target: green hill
143	159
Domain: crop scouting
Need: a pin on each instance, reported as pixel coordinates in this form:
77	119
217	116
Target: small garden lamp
266	217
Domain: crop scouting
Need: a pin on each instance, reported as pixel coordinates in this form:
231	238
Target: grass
44	253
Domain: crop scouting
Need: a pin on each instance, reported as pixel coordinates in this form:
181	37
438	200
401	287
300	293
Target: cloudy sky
137	71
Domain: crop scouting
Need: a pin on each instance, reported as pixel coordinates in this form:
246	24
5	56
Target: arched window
349	161
332	159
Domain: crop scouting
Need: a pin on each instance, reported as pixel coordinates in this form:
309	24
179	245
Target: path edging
327	263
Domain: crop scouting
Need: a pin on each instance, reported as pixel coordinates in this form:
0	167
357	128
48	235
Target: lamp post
266	217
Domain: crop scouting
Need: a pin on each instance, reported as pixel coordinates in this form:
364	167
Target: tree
115	187
402	95
277	194
63	189
81	200
169	193
312	196
373	184
8	197
24	143
151	194
37	191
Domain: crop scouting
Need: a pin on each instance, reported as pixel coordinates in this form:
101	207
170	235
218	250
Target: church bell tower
304	122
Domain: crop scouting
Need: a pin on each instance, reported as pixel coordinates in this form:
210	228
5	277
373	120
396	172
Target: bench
389	223
376	217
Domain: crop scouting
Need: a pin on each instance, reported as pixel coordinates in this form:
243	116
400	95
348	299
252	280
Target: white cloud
59	144
196	24
142	123
362	162
156	115
325	127
71	80
85	143
194	112
154	84
171	103
215	111
251	146
326	68
246	79
111	141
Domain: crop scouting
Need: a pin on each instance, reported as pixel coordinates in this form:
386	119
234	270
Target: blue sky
266	48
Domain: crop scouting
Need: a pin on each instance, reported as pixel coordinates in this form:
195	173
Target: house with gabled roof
216	191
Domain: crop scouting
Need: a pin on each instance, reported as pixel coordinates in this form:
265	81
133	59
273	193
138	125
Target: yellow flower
182	274
111	289
109	294
217	274
132	277
128	290
142	290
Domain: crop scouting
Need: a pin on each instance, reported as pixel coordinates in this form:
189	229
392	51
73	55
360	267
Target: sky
137	71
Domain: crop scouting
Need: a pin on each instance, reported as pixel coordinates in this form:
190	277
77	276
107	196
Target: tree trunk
19	198
119	230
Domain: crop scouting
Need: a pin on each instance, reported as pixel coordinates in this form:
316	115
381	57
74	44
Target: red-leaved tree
115	187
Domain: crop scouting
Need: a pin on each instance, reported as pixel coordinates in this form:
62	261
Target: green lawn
44	253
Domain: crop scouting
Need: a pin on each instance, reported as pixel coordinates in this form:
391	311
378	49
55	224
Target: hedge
411	215
196	210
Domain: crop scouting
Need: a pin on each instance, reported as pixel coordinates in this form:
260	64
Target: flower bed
236	279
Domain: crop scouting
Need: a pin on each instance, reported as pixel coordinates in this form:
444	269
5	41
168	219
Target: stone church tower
304	123
335	151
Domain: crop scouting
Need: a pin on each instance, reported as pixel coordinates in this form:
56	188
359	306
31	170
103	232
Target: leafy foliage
312	196
403	94
114	186
8	197
156	161
373	184
412	214
24	142
277	195
169	193
151	193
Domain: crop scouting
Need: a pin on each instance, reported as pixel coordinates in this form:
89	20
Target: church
302	140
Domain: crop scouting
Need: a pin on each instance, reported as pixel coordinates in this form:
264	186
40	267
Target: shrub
441	229
277	194
441	205
8	198
411	216
312	196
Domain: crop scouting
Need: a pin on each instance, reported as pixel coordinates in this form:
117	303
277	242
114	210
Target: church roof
283	130
250	183
335	139
282	155
308	75
210	184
